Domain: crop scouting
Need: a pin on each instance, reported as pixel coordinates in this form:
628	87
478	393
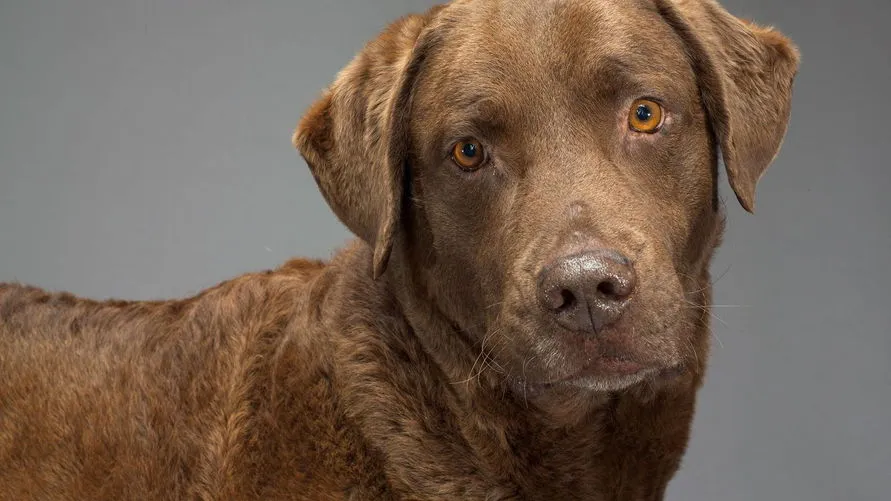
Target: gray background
145	152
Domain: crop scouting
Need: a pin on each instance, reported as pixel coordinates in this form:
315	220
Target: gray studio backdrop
145	152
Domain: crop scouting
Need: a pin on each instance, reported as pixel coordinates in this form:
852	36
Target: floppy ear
355	137
745	75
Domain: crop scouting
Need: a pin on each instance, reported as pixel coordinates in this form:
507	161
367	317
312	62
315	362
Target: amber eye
645	116
468	154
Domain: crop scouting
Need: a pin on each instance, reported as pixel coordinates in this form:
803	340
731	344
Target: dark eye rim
663	112
483	150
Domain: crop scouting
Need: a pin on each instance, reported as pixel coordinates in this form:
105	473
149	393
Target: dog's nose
587	291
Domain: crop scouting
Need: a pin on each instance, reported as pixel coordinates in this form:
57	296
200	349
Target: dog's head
548	169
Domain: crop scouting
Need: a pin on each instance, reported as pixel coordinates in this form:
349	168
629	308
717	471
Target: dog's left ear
745	75
355	137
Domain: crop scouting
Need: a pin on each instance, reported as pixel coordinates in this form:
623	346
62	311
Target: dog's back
135	400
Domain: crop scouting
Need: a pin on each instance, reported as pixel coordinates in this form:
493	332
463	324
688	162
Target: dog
523	316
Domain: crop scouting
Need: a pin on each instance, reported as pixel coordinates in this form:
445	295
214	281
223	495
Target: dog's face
549	169
565	168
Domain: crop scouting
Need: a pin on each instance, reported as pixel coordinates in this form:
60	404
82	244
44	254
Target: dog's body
261	388
524	317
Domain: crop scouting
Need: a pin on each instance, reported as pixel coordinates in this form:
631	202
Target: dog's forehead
570	25
532	43
536	57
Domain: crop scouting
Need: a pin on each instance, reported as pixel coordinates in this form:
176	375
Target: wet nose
587	291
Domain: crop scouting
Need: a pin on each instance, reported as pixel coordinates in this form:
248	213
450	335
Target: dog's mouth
613	360
606	366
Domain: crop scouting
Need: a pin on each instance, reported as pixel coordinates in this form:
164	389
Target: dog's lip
608	366
608	358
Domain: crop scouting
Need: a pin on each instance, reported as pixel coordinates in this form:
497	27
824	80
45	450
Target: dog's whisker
526	361
719	319
717	338
722	275
692	348
483	358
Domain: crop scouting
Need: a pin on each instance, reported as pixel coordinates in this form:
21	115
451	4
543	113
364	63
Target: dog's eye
468	154
645	116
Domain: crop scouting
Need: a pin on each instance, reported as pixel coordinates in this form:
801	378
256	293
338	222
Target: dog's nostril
568	300
607	289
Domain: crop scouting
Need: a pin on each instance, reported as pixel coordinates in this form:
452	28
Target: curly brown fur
418	363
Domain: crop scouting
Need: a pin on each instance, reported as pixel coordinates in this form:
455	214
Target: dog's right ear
355	137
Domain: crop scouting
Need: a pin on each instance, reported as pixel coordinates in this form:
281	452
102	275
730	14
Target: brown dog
524	317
